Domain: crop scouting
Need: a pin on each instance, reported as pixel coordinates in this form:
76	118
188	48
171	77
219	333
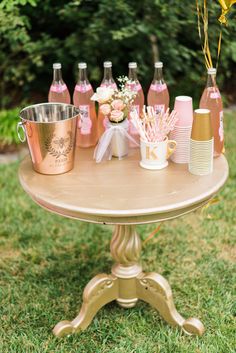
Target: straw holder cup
154	155
50	130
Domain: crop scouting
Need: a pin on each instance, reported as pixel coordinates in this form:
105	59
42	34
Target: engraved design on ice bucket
50	129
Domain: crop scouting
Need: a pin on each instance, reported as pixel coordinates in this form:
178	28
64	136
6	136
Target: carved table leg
101	290
155	290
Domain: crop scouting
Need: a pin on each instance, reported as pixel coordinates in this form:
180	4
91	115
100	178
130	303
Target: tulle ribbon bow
103	149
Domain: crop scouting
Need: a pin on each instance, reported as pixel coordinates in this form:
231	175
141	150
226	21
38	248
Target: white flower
102	95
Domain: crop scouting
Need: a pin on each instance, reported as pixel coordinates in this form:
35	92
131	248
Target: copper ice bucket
50	129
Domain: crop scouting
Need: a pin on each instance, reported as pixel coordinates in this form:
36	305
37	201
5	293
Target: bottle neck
211	81
133	74
82	76
158	75
57	75
107	75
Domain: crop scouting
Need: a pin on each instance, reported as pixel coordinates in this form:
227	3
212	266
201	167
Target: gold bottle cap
202	128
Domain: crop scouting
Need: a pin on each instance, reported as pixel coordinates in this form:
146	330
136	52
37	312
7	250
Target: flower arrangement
115	104
153	127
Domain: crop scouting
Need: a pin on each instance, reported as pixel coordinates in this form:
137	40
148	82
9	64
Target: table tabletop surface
120	191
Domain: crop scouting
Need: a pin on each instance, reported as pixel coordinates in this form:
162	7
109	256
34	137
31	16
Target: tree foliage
34	34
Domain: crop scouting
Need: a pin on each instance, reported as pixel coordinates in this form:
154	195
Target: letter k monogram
150	153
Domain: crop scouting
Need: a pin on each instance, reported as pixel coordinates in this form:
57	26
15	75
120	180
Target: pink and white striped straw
153	127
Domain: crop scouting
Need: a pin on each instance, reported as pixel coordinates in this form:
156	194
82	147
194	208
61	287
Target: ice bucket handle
20	126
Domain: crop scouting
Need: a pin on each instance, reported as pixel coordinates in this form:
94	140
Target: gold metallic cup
202	128
201	144
50	130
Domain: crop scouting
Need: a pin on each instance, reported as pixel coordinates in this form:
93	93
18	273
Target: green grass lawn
46	260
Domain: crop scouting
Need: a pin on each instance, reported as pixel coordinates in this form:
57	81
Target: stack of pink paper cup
182	131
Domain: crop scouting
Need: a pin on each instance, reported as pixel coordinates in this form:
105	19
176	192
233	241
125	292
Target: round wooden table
121	193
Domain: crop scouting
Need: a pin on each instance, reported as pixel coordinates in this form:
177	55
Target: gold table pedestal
127	284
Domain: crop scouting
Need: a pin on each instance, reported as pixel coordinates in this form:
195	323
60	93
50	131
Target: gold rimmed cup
202	129
201	144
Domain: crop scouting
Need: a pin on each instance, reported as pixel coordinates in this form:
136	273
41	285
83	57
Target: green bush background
34	34
8	122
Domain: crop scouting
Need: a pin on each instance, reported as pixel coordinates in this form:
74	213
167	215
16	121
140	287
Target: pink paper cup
184	109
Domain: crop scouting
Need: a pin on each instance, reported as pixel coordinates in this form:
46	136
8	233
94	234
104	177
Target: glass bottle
134	85
107	81
58	91
211	99
158	94
87	124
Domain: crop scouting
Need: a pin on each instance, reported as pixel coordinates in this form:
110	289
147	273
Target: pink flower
105	109
117	104
116	115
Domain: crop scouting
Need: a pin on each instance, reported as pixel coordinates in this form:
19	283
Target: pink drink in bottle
87	124
58	91
158	94
211	99
107	81
138	102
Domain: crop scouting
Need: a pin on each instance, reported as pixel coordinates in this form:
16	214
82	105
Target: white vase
119	142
